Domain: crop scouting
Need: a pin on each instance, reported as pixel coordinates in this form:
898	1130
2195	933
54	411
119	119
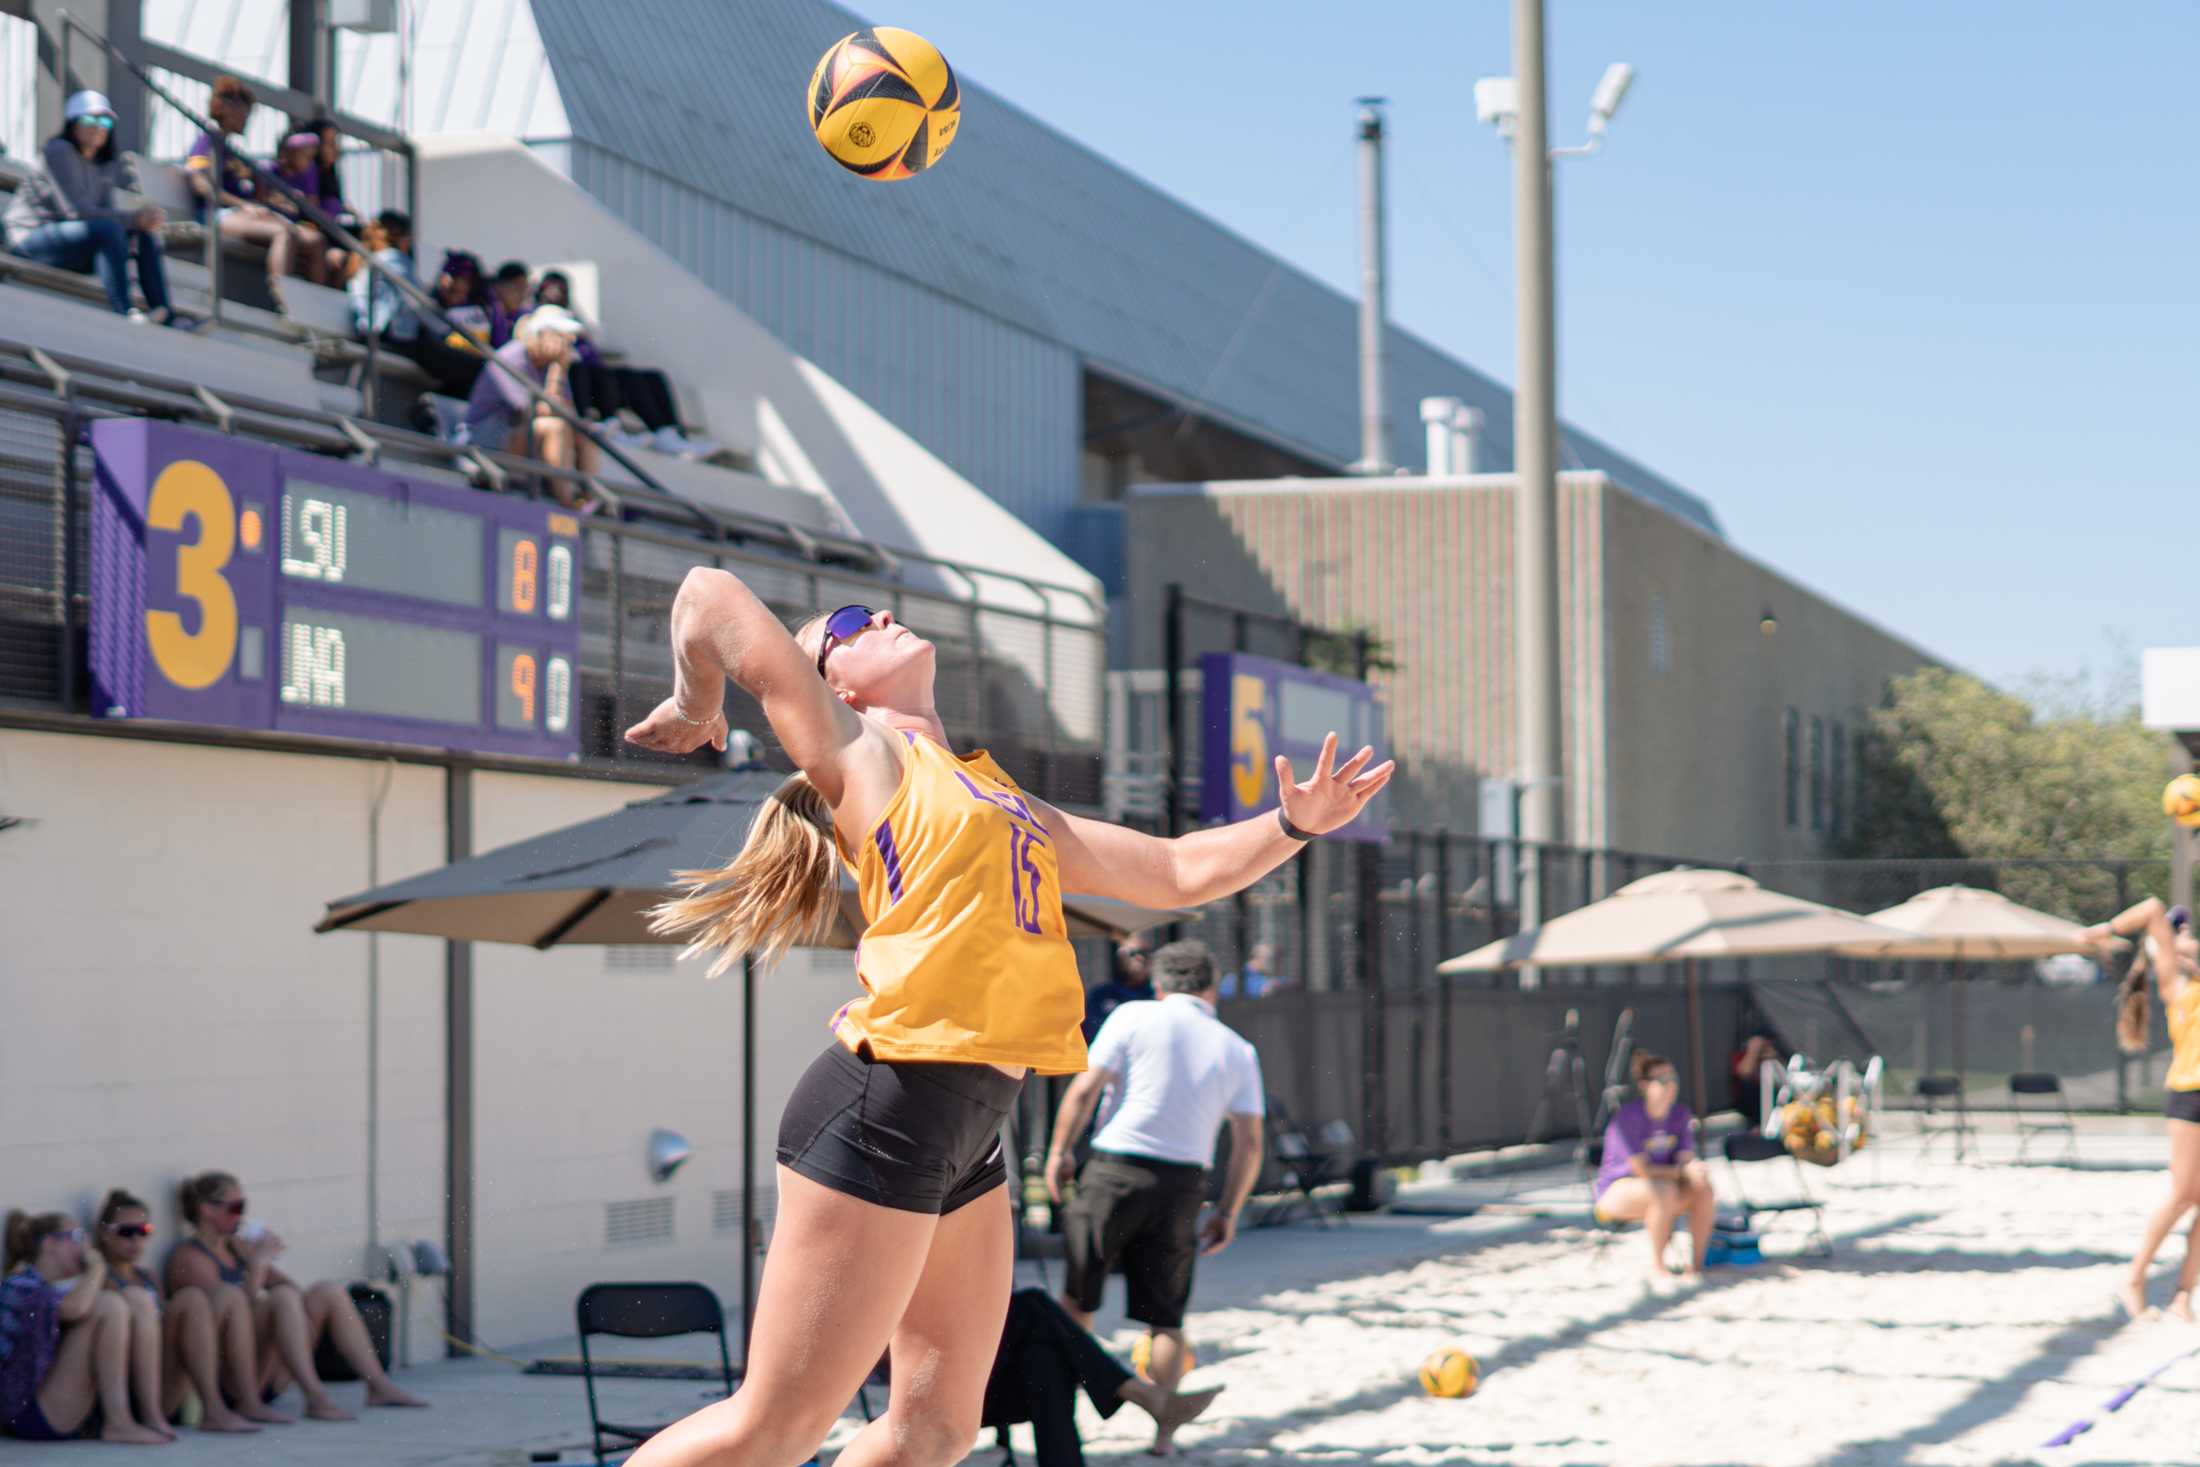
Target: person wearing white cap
540	355
65	214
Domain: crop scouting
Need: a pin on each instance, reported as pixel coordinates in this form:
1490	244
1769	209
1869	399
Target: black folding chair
1934	1090
1747	1148
644	1312
1303	1163
2052	1114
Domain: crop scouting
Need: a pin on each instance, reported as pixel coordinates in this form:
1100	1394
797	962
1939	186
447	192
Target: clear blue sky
1905	291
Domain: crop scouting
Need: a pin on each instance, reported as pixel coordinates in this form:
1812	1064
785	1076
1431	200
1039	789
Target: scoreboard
1254	708
242	585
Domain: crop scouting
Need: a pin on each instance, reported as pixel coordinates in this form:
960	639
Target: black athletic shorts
923	1137
1140	1215
2183	1105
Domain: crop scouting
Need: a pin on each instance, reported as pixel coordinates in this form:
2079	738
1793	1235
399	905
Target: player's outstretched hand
1330	797
668	732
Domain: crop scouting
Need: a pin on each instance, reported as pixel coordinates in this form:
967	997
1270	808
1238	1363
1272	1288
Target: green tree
1952	767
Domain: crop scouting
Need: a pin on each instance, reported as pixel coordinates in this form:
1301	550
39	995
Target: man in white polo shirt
1172	1071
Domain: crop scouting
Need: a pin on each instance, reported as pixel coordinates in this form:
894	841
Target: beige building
1711	704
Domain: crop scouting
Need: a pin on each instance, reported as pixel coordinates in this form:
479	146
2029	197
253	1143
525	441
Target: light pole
1516	105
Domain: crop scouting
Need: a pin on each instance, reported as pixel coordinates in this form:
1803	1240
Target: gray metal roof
1021	222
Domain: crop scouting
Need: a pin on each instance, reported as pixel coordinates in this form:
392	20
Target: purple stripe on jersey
885	842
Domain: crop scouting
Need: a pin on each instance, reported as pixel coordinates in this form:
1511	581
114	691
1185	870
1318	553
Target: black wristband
1289	829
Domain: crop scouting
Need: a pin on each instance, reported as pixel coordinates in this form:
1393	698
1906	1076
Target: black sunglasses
847	622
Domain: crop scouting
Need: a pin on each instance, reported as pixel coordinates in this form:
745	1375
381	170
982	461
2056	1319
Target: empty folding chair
2049	1114
644	1312
1934	1091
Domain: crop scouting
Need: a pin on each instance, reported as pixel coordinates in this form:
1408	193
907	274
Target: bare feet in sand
130	1434
226	1420
2180	1306
389	1393
1170	1410
2133	1297
324	1408
265	1414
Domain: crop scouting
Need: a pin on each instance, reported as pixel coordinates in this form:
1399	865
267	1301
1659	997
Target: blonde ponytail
781	891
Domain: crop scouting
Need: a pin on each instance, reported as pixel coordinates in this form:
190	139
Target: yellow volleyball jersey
965	956
2184	1038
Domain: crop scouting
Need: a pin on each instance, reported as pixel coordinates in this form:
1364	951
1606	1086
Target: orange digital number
523	684
524	560
188	490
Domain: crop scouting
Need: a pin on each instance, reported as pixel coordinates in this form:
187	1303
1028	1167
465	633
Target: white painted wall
165	1006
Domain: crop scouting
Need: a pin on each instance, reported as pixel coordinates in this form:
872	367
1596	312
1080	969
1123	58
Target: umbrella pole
748	1157
1956	999
1695	1037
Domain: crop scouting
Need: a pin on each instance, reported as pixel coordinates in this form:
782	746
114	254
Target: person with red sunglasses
181	1345
894	1226
289	1320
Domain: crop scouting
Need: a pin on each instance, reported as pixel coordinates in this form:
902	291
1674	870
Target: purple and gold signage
1254	708
248	586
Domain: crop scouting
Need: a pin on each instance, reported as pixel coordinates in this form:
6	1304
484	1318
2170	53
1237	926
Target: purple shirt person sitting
1650	1172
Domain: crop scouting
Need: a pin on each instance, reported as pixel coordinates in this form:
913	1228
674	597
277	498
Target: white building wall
166	1008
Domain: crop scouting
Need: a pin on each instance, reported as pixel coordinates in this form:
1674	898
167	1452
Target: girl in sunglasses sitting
65	1340
180	1344
894	1229
289	1321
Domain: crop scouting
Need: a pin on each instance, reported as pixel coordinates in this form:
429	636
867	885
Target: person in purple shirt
233	194
1650	1173
64	1351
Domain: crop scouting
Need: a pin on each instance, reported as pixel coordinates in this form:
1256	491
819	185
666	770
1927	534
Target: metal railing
1025	681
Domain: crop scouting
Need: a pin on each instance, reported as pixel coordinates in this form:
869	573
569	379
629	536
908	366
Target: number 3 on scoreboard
194	660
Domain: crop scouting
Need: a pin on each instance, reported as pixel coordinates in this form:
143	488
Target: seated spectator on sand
504	417
321	261
64	214
289	1320
1746	1070
601	391
1650	1173
509	300
1045	1358
195	1341
66	1341
237	198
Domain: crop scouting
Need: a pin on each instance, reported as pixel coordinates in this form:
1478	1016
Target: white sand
1966	1317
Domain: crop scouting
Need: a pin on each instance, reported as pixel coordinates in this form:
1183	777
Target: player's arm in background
2148	920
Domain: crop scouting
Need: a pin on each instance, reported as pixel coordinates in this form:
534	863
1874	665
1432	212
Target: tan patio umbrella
1961	924
1680	916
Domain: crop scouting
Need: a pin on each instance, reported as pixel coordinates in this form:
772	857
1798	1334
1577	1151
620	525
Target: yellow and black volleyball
1142	1358
1450	1373
2181	801
884	103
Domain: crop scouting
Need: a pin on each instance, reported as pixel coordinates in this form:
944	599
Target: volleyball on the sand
884	103
2181	800
1450	1372
1142	1358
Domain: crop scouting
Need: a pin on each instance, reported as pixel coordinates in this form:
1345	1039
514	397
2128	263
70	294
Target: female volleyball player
893	1232
2169	950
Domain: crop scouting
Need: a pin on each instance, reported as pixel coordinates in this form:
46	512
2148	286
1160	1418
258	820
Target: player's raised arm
721	629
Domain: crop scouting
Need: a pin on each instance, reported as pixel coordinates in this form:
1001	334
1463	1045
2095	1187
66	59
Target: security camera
1496	100
1611	90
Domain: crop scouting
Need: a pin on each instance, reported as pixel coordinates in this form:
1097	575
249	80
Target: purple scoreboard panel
1254	708
238	584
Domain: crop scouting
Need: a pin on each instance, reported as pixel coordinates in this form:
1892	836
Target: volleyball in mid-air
1451	1373
1142	1358
2181	801
884	103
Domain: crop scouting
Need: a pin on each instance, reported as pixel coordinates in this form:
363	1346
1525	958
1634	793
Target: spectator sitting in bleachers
236	199
64	215
502	416
508	301
449	358
378	308
601	390
327	158
324	262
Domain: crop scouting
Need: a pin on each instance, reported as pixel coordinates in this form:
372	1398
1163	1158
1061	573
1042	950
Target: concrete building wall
1696	747
1674	697
1426	565
166	1008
